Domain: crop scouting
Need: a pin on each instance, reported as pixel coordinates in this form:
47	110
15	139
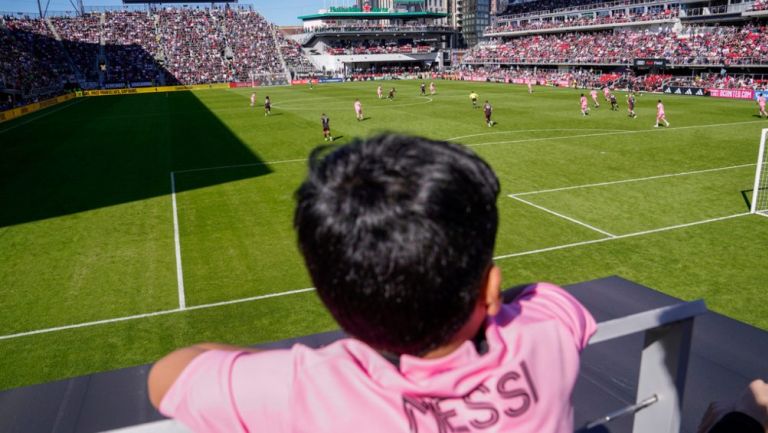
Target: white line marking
297	291
339	103
624	236
221	167
762	214
177	242
573	220
76	101
614	133
154	314
639	179
533	130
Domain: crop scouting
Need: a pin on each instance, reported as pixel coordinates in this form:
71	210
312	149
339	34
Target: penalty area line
624	236
177	246
566	217
75	102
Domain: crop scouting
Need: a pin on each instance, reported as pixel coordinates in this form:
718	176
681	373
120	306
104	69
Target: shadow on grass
110	150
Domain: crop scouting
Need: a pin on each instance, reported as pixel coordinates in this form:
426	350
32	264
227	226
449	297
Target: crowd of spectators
726	45
759	5
616	18
167	46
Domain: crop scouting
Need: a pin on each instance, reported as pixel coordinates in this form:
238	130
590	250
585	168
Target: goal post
760	190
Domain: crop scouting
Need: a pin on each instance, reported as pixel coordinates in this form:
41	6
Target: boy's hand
753	401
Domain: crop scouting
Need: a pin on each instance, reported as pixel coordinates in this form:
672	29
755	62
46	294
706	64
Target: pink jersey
522	382
761	101
606	92
593	93
583	100
378	90
659	109
358	107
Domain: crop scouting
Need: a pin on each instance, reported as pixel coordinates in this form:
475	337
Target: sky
281	12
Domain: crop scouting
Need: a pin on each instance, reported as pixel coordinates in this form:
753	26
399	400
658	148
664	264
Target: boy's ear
492	290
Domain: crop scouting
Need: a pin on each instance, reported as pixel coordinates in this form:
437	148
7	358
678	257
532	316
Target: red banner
732	93
233	85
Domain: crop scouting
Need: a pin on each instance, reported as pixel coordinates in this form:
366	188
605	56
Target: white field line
177	243
614	133
624	236
61	107
566	217
762	214
367	108
638	179
154	314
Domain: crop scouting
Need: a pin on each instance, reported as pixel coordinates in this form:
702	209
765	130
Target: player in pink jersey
761	105
607	93
378	92
530	85
253	99
358	109
584	105
432	88
434	346
593	94
661	115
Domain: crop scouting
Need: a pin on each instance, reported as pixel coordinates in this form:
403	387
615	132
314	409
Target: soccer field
131	225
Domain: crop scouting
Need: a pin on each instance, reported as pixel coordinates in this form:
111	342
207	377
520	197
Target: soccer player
761	105
267	106
593	94
326	127
423	88
530	86
660	115
358	110
391	96
473	97
379	92
631	105
253	99
584	105
488	110
432	89
614	103
607	93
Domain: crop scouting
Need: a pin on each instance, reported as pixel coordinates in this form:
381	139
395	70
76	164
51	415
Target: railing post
663	367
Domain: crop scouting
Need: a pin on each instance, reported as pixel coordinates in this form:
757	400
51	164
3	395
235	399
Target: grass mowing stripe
57	109
566	217
309	289
638	179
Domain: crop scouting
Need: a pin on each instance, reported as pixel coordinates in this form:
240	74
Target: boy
423	88
253	99
267	106
391	96
326	127
432	88
487	110
397	233
473	97
358	110
379	92
631	105
584	106
530	85
660	115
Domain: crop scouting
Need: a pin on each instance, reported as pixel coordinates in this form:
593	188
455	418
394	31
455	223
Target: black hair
397	233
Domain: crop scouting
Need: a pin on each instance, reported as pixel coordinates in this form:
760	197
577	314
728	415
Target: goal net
760	190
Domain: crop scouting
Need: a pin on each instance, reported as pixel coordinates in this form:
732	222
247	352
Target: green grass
87	233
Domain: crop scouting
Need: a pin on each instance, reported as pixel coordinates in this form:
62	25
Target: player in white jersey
379	92
530	85
761	105
358	110
432	89
253	99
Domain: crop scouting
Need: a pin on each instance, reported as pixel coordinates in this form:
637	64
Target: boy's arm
165	371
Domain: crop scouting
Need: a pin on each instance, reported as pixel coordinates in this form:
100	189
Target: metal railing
663	365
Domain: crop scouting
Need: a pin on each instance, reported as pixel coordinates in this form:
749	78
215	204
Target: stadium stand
722	355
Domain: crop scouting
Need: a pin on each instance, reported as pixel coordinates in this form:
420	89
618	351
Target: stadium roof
373	15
